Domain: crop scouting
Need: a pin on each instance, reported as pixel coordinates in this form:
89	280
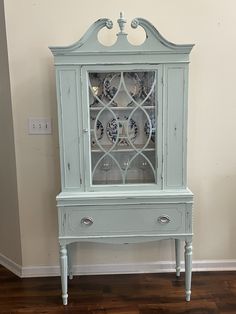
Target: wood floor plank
212	293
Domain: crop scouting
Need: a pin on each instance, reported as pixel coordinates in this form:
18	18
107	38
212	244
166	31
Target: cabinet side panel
69	131
175	137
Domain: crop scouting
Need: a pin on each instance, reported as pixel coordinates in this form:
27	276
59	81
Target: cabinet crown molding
154	42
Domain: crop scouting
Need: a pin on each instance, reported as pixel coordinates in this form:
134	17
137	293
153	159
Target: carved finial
121	21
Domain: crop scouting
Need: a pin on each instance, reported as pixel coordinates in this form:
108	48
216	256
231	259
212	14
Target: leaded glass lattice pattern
123	127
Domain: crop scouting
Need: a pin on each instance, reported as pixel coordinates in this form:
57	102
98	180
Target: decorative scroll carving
134	23
109	24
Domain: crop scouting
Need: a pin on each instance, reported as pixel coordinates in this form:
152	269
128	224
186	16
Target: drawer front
89	221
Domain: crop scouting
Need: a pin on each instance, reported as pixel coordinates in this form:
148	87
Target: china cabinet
122	128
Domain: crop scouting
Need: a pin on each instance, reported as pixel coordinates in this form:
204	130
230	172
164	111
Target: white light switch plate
39	126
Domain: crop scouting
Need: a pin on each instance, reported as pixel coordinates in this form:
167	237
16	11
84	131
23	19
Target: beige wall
10	240
33	25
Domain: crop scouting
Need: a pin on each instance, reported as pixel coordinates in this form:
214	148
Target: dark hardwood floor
212	292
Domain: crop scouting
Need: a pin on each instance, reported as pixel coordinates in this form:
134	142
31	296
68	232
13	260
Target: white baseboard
214	265
10	265
40	271
129	268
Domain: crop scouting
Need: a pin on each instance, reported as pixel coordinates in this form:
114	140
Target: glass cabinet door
123	127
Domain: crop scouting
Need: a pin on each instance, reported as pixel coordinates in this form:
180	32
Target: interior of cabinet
123	127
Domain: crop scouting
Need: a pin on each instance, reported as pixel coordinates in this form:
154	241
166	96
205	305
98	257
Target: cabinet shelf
120	108
118	182
123	149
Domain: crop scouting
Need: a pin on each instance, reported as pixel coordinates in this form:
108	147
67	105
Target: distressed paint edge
60	113
183	184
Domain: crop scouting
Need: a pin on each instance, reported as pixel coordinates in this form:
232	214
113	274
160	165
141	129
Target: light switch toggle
39	126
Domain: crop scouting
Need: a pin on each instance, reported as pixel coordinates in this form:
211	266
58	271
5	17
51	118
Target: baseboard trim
40	271
155	267
11	265
214	265
106	269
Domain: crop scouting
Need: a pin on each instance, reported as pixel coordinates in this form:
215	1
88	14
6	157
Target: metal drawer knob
86	221
164	219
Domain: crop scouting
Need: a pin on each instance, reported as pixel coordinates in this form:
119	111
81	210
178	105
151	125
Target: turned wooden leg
188	269
177	256
64	268
70	270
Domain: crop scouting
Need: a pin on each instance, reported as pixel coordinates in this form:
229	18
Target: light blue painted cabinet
122	113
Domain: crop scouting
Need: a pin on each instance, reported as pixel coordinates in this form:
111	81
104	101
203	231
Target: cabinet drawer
117	220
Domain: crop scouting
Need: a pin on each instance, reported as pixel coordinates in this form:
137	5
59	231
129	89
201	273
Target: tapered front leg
177	256
188	269
64	272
